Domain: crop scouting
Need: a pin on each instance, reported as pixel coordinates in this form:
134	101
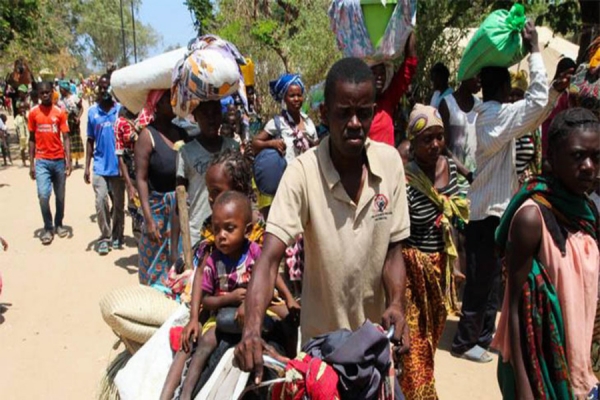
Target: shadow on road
128	263
3	308
445	343
38	232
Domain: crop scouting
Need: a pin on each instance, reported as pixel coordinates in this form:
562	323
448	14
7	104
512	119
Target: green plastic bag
497	43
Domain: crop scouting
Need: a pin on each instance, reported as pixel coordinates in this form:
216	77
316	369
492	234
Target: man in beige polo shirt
348	197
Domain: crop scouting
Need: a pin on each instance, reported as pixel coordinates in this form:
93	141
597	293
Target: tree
47	42
202	10
280	36
99	29
17	19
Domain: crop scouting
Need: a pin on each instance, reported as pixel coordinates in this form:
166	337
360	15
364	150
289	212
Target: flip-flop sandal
476	354
103	248
47	238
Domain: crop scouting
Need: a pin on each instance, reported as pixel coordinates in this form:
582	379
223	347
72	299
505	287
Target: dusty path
53	342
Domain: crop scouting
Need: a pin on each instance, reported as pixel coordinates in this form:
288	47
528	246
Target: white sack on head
132	84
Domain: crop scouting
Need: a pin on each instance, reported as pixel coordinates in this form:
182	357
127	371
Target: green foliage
47	43
202	10
563	18
264	31
17	19
280	36
100	29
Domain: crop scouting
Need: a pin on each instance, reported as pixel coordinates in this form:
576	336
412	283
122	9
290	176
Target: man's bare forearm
394	276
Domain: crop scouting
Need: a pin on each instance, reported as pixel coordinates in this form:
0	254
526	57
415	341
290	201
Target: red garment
125	136
146	116
47	123
561	105
382	128
309	377
175	338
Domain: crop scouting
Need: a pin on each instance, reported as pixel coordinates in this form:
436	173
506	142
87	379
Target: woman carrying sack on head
155	157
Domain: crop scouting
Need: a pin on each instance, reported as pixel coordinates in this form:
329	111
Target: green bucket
376	17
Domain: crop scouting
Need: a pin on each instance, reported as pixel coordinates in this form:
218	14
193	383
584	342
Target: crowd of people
325	226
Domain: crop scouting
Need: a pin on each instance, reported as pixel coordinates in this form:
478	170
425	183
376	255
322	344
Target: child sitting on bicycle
223	279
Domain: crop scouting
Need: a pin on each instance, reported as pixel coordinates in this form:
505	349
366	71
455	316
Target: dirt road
53	341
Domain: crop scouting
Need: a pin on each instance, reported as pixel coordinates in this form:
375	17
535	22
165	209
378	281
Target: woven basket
135	313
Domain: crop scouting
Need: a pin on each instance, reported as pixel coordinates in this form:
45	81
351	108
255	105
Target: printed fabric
426	312
146	116
585	86
451	208
575	212
540	313
155	258
353	39
541	322
209	71
222	275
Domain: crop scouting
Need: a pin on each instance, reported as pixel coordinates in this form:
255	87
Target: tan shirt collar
332	177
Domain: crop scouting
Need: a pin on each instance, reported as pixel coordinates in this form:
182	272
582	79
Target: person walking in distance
50	159
106	180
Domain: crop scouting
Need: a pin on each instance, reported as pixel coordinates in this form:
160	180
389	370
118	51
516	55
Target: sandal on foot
476	354
61	231
47	237
103	248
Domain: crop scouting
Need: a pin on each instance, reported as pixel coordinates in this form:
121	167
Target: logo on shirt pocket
380	207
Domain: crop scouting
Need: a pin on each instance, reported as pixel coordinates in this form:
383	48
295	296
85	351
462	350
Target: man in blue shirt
106	181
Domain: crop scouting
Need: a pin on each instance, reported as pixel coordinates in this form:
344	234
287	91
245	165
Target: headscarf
594	53
208	71
518	80
595	60
575	211
23	88
146	116
65	85
280	86
421	118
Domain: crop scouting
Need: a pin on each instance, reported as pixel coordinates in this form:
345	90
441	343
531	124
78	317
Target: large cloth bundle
132	84
353	39
497	43
209	70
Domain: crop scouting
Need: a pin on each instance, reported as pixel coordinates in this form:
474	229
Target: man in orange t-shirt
50	159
